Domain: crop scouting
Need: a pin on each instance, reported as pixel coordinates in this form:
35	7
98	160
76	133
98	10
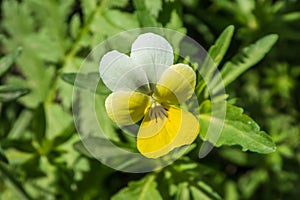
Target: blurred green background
40	152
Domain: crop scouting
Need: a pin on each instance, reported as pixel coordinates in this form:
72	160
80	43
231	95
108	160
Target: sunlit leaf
238	129
183	191
231	191
175	23
128	21
118	4
144	189
55	127
144	15
219	49
20	124
154	7
216	53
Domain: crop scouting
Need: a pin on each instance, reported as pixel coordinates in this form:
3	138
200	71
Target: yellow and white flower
147	86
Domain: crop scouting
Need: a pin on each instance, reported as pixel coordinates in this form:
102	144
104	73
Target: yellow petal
158	137
126	107
176	84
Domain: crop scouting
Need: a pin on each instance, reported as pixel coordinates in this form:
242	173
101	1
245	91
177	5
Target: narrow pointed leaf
202	191
10	93
249	56
219	49
183	191
7	61
215	55
39	123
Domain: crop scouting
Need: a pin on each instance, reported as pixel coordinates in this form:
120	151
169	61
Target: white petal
119	72
153	53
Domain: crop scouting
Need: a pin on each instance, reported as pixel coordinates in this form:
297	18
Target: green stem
74	48
16	183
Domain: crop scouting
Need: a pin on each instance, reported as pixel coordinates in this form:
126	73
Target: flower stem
71	53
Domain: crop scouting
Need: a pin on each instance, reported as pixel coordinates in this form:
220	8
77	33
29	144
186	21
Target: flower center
157	110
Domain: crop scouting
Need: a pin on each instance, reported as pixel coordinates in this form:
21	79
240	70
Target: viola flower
147	86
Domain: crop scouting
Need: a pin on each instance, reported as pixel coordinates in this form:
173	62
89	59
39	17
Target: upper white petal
153	53
119	72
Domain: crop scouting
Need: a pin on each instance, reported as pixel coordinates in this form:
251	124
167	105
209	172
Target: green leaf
175	22
20	124
201	191
238	129
55	126
86	81
144	15
231	192
38	79
154	7
43	46
44	37
216	53
24	146
79	146
88	7
291	17
17	185
17	20
86	103
235	156
250	182
10	93
144	189
75	26
7	61
249	56
39	123
183	191
128	21
117	4
111	24
219	49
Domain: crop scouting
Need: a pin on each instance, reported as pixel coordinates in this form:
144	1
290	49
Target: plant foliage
255	46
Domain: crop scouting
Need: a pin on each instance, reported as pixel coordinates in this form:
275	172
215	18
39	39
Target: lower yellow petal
176	84
126	107
157	137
